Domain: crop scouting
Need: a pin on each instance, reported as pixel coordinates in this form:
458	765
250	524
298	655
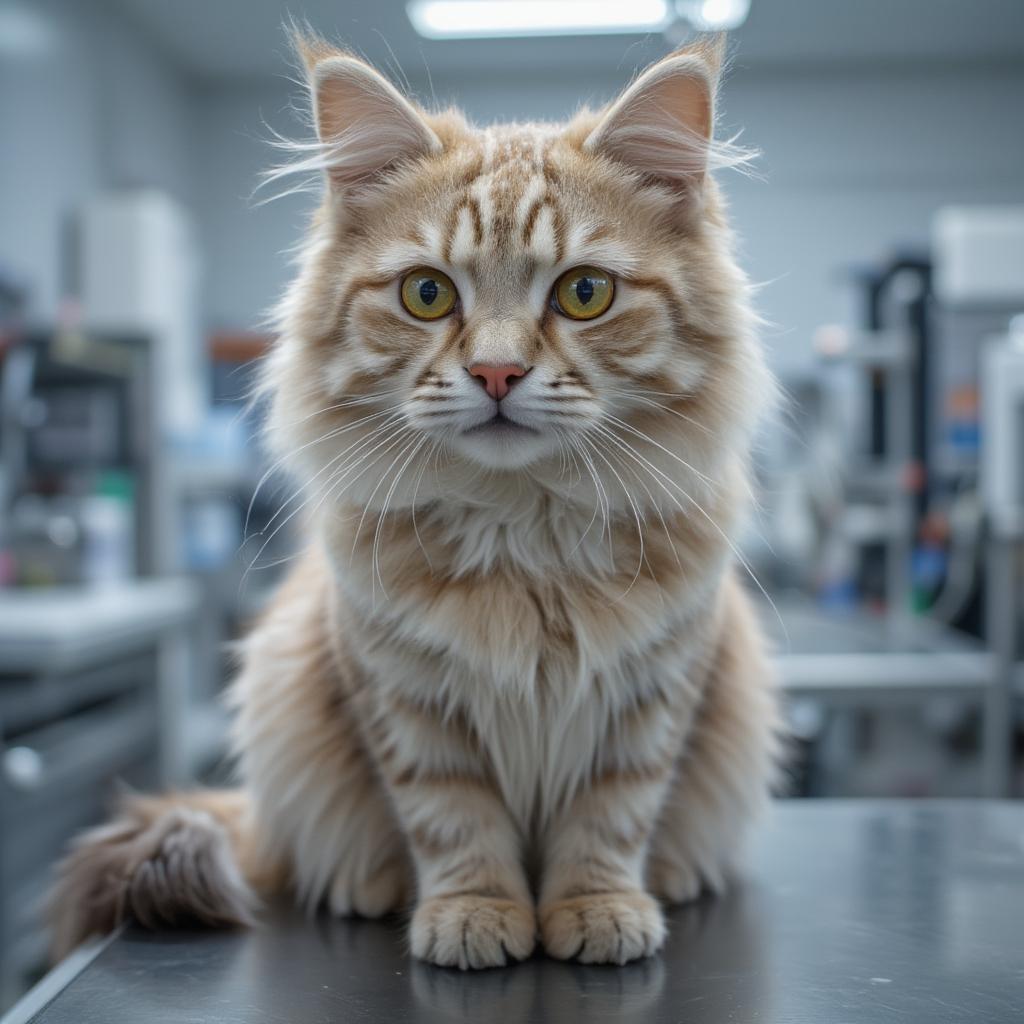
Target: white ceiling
235	39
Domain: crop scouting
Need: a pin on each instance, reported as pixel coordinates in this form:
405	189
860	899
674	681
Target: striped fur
512	682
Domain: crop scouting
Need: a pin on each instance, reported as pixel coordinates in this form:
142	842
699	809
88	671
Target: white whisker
290	456
636	514
328	487
374	562
331	462
672	455
656	473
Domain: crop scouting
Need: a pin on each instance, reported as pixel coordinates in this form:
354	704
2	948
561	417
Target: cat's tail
185	857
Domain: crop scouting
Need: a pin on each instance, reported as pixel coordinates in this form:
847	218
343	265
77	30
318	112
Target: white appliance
139	267
979	254
1002	410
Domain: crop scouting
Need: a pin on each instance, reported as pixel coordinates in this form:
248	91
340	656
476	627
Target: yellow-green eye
428	294
584	292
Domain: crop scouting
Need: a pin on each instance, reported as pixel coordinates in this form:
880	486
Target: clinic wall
90	105
245	239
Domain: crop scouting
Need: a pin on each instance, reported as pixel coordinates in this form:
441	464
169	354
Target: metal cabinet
93	694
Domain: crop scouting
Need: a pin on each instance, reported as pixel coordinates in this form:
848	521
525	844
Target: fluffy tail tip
158	863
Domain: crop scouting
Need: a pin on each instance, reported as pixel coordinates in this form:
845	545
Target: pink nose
497	379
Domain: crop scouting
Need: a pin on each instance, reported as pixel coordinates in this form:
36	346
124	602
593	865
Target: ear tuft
662	125
307	45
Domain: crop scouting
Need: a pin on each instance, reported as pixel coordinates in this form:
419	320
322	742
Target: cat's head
521	297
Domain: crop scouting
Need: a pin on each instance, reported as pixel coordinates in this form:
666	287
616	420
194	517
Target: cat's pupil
584	290
428	291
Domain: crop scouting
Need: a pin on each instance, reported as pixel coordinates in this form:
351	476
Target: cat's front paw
472	931
603	928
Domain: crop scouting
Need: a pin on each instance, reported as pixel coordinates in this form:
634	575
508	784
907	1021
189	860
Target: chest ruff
540	672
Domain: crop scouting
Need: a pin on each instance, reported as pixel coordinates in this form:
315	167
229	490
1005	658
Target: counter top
51	628
851	912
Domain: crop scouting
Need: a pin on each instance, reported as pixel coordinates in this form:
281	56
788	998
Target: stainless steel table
853	912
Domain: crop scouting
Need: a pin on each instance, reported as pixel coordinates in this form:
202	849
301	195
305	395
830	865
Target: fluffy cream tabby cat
513	682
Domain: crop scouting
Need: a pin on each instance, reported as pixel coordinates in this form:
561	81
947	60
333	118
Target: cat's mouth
499	425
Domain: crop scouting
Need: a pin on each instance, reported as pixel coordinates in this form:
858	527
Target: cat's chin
503	446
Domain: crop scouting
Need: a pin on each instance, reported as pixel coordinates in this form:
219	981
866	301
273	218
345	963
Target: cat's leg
474	905
319	803
321	807
727	768
592	901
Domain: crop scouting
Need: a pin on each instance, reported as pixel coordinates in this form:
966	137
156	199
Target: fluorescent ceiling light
24	32
478	19
714	15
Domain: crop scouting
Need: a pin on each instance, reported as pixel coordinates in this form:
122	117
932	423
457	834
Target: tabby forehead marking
508	208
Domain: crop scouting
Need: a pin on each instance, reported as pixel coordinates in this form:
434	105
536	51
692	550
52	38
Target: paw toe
472	931
613	927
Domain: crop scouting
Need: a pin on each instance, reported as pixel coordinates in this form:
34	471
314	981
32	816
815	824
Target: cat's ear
364	123
662	125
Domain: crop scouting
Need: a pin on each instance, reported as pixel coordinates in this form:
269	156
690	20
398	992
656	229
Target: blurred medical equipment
910	500
109	657
1002	485
979	255
122	474
82	489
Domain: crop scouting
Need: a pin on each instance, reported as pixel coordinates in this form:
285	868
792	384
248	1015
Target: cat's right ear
364	123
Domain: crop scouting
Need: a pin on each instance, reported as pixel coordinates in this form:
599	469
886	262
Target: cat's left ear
365	123
662	125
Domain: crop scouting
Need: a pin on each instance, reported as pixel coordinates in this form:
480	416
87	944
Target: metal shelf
862	659
831	653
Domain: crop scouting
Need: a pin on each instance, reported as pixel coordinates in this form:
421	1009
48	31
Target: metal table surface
851	912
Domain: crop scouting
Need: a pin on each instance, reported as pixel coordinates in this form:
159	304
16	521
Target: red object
913	478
